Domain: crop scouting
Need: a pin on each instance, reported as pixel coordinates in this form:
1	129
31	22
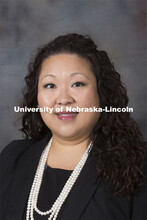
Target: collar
81	192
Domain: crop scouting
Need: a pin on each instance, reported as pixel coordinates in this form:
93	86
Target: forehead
68	62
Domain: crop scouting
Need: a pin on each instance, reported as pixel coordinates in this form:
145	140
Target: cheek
89	120
43	99
90	98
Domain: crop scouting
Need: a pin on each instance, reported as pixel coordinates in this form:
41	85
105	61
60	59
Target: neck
70	146
66	154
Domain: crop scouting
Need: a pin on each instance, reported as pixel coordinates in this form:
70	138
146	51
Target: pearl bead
35	189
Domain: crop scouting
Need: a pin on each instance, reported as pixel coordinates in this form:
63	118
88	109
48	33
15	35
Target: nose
64	98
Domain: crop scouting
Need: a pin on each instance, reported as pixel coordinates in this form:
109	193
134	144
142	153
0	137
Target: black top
53	182
89	198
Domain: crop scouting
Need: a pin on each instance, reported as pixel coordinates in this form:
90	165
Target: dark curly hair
118	141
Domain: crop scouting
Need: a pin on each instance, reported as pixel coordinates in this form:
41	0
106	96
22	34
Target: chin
66	135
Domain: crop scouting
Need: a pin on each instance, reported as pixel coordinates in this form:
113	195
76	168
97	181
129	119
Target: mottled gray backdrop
117	26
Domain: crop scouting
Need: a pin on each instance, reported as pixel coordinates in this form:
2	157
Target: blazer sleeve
8	162
139	200
7	169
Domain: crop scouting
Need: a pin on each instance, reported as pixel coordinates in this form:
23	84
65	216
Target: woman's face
66	80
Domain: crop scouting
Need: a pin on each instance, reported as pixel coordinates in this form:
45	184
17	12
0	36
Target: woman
74	165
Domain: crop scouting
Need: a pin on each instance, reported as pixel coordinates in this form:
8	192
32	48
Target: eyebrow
48	75
73	74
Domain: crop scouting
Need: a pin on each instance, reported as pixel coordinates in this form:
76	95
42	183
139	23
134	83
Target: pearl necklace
34	193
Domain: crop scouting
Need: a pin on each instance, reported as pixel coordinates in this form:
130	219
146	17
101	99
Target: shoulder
9	158
11	153
15	148
139	210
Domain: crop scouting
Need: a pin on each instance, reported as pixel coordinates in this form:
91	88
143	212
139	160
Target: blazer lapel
82	191
78	198
24	175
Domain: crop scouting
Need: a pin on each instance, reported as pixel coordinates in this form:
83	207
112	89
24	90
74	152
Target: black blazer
88	200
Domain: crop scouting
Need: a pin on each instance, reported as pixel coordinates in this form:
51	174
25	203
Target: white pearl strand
34	193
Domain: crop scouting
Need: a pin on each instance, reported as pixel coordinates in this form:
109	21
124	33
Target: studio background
117	26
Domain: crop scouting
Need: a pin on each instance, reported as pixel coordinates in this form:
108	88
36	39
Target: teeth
66	114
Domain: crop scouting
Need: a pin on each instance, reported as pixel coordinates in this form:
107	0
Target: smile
67	116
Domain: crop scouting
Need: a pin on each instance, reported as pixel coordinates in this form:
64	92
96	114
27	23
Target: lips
66	116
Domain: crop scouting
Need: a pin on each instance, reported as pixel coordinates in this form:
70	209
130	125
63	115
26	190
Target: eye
78	84
50	86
